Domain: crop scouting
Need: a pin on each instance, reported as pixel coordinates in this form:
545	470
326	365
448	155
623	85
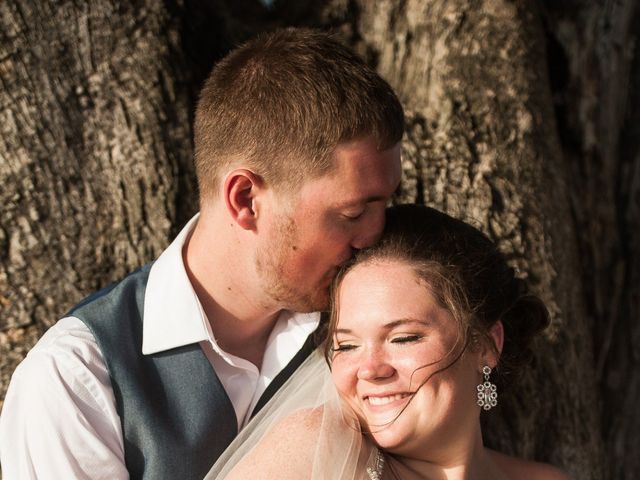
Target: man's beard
271	265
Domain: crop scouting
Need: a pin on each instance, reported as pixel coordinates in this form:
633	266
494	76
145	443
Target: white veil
341	451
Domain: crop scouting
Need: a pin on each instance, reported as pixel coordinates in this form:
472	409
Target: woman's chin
388	438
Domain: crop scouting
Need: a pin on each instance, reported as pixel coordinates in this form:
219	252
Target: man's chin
316	302
295	299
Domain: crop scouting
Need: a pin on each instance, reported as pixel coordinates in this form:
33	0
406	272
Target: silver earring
487	394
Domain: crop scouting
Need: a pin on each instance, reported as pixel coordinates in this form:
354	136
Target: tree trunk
595	69
95	139
96	106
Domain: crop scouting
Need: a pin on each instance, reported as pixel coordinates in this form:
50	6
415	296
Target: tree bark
95	140
595	74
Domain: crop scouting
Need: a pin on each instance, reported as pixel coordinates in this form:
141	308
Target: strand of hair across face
440	370
389	465
449	365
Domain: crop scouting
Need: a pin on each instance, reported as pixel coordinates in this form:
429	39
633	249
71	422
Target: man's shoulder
67	335
65	368
60	407
131	282
66	351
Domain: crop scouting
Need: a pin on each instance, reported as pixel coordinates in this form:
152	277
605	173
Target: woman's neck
464	462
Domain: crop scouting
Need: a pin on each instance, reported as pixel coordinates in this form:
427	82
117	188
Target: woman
422	325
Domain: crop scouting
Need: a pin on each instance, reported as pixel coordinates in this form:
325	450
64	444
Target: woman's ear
240	189
489	355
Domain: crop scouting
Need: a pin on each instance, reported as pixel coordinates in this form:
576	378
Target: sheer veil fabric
307	398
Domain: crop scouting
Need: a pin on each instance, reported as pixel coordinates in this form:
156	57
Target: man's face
308	239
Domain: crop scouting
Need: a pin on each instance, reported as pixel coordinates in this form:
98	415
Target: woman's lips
382	400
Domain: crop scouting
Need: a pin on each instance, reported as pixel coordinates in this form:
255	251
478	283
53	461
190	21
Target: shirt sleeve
59	418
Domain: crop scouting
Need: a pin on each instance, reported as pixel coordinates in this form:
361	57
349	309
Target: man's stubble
272	262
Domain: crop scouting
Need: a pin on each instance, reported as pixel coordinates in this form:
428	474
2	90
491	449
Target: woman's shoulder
286	451
518	468
298	428
306	419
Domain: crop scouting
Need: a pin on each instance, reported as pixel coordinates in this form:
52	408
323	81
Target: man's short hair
282	102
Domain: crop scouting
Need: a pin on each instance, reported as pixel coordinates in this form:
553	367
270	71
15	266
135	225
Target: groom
296	153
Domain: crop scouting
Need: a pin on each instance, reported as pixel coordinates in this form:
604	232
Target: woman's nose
374	366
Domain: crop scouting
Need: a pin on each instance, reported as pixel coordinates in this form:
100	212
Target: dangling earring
487	394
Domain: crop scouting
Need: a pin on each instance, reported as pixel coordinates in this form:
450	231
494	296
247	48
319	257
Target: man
296	152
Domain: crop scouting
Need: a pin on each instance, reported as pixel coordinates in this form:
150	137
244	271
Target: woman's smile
392	340
384	400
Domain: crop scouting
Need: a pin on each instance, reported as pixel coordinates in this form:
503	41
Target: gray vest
176	416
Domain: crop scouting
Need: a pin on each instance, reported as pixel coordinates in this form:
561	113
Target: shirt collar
173	316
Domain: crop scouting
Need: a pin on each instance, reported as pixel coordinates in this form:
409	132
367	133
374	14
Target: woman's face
391	337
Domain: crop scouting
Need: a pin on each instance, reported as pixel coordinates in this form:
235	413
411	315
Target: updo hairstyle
467	275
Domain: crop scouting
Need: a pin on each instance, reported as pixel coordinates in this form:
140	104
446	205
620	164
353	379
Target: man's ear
240	189
489	355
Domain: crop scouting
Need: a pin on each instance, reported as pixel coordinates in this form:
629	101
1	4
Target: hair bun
526	318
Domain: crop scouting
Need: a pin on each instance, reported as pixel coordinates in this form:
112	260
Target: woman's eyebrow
406	321
344	330
393	324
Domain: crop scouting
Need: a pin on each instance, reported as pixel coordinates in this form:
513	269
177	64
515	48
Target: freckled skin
398	360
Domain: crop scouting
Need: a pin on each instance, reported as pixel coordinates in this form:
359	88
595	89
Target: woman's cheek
344	376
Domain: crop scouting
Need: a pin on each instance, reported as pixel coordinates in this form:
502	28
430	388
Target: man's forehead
361	175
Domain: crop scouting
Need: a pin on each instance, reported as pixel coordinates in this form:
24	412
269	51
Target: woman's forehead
385	294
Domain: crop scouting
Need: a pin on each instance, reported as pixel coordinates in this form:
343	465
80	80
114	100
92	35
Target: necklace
375	471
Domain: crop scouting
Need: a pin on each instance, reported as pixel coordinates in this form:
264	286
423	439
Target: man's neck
240	322
242	332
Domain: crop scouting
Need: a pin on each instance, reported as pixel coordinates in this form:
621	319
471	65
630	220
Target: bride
423	327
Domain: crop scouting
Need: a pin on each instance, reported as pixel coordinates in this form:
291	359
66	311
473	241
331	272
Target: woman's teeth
385	400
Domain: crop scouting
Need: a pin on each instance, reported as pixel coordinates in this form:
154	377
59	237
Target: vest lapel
312	342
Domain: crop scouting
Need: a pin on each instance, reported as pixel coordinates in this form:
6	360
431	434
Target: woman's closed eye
400	339
406	338
343	347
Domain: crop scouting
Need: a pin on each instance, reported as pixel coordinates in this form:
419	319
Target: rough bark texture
96	103
95	136
95	111
595	75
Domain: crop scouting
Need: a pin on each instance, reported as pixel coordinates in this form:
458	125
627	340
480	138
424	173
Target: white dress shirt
59	419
